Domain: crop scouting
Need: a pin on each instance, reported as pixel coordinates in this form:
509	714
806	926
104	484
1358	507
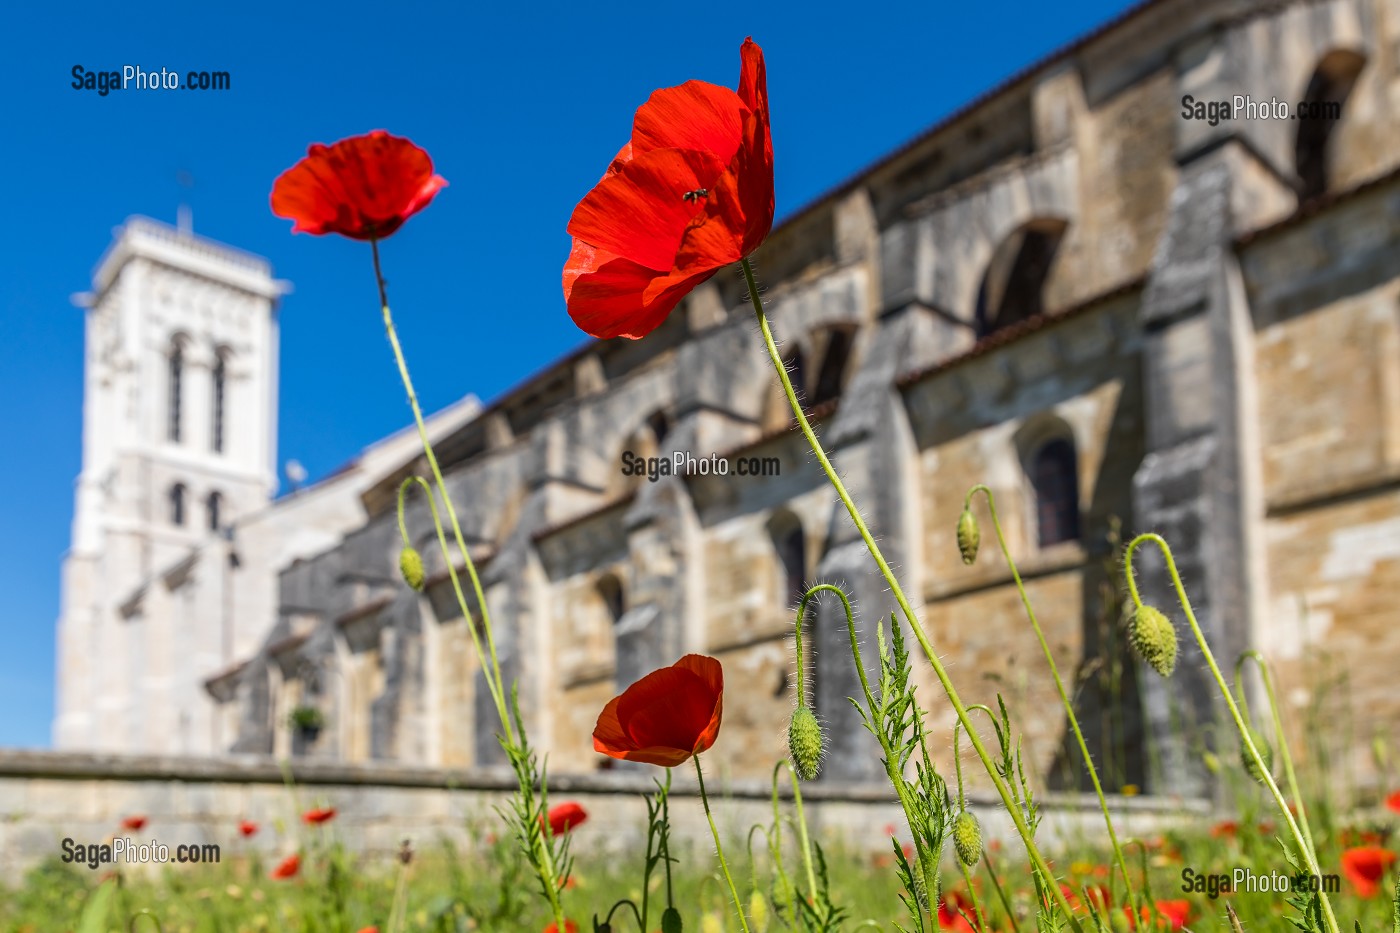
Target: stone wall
46	797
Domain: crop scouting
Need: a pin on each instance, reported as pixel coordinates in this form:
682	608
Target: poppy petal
640	211
695	115
669	708
753	78
608	296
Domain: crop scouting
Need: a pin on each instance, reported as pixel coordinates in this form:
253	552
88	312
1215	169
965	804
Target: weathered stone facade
1113	315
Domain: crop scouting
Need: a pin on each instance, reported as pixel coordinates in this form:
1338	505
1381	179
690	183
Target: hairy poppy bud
671	921
1266	755
805	743
604	927
969	536
921	893
758	912
1154	638
967	838
411	566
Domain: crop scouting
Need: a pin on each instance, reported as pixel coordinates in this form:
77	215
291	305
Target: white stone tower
179	440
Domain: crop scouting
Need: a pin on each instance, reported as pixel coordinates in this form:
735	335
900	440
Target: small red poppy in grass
247	828
569	927
564	817
1365	866
363	187
134	823
1226	829
690	193
370	930
319	815
1392	802
288	867
953	911
667	716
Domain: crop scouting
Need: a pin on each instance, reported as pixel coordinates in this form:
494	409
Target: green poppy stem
719	849
1303	844
1279	736
1002	790
545	862
1060	687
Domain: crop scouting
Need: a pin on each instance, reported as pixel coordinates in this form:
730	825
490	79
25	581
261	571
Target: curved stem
719	849
1278	736
493	678
1304	846
1059	687
915	626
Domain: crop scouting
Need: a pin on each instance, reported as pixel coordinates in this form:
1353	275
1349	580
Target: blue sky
521	106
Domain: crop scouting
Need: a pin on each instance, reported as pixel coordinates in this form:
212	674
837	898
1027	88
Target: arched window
1014	284
660	424
1318	115
177	375
216	441
832	376
790	543
177	504
213	505
610	590
1055	479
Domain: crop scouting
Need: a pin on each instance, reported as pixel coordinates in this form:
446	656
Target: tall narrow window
220	371
790	543
1013	287
833	372
177	374
610	589
177	504
1056	481
213	505
1318	115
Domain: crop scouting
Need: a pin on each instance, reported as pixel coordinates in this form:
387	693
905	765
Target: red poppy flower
363	187
1227	829
370	930
247	828
665	717
134	823
952	911
288	867
1171	915
565	817
569	927
690	193
319	815
1393	801
1365	866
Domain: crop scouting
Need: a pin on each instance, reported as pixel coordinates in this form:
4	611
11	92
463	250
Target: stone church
1097	288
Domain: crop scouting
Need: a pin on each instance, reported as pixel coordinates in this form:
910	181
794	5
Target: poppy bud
411	566
711	923
967	838
758	912
1154	638
969	536
1266	755
671	921
1211	762
805	743
921	883
604	927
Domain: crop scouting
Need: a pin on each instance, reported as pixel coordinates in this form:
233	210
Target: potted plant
307	721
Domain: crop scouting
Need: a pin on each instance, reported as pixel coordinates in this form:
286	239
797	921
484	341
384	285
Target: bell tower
179	440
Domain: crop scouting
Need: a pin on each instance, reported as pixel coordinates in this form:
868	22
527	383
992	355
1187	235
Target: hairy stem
719	849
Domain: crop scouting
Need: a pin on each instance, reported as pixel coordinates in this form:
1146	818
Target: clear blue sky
521	106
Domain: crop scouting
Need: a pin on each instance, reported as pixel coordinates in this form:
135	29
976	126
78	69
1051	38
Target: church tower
179	440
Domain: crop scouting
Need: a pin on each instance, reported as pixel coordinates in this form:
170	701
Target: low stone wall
46	797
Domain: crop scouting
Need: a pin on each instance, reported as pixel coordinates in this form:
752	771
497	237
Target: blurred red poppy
953	912
1228	828
690	193
288	867
370	930
1365	866
1171	915
134	823
569	927
565	817
247	828
363	187
1392	802
319	815
665	717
